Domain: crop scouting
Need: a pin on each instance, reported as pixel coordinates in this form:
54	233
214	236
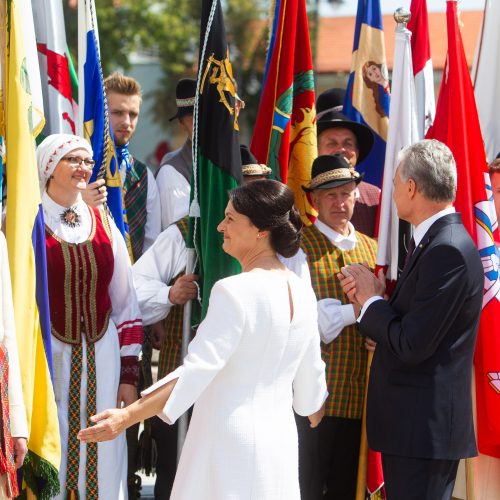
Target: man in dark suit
419	409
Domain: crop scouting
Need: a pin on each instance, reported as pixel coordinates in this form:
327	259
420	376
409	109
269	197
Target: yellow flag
26	245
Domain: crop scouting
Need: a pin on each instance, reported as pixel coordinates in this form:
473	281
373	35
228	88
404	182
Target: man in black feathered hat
328	454
174	175
338	134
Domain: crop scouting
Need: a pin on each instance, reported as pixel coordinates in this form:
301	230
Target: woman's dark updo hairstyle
269	205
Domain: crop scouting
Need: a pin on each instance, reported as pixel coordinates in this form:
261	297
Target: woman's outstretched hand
108	425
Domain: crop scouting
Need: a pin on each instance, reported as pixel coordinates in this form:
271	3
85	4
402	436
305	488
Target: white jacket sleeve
18	422
215	342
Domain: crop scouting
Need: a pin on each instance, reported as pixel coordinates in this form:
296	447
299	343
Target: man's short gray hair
431	165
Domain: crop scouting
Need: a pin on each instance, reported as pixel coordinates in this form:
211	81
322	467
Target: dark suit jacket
419	395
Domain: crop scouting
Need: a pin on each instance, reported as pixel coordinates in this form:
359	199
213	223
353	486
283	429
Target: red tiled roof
335	37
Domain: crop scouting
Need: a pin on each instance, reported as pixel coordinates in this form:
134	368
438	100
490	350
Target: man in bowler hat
328	454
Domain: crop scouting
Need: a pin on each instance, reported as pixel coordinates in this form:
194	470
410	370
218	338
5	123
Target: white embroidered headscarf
52	149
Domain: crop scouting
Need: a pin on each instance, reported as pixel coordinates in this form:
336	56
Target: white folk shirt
174	195
333	316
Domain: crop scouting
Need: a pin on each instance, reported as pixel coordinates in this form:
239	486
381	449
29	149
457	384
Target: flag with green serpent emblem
284	136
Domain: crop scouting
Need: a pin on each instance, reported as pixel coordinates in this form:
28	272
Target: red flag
422	65
457	125
285	138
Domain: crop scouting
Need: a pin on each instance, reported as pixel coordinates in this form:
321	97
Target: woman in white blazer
255	356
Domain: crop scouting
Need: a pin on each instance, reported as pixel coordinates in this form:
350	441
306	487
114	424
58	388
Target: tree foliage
170	29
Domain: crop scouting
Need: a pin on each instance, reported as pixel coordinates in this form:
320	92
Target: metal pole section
186	338
82	35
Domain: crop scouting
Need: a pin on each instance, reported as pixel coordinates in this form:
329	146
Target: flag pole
363	446
81	58
469	479
186	338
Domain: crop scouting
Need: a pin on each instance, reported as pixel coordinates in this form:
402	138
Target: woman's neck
266	259
64	198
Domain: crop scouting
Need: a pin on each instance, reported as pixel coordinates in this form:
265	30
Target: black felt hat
329	171
330	100
185	93
364	136
249	164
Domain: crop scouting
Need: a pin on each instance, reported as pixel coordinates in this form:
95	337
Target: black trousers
328	458
418	478
165	437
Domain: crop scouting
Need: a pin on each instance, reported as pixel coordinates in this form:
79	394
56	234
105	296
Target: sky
348	8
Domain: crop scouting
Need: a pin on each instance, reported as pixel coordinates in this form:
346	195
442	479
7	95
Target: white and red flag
457	125
403	131
422	65
53	58
486	75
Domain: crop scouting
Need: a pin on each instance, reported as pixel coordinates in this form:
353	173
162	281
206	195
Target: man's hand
370	344
363	285
158	334
348	284
96	194
127	394
20	450
183	289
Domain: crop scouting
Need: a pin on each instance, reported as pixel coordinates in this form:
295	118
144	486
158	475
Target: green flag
216	153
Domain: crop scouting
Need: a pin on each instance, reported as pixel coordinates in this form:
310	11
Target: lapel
431	233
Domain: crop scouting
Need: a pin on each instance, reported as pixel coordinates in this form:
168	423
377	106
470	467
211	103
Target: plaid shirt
345	357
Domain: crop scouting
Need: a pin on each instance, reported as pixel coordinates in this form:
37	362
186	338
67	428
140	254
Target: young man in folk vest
141	196
142	202
328	454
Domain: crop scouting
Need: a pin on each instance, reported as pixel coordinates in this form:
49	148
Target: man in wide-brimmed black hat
174	175
338	134
328	454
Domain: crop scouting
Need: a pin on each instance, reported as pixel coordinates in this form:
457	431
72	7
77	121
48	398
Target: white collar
420	230
343	242
54	209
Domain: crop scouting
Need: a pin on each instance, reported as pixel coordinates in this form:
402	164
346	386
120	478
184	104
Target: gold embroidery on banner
222	77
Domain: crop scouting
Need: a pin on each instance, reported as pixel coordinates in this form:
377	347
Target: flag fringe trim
34	469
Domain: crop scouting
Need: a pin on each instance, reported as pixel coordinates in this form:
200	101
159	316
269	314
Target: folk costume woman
95	323
14	427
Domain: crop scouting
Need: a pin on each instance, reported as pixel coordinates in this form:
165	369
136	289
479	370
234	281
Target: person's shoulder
362	237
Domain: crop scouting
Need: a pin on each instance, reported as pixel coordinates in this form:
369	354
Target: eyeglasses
76	161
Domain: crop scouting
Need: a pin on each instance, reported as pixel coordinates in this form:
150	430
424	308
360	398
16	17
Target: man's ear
313	198
412	188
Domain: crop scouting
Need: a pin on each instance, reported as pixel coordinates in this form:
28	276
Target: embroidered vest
135	190
345	357
78	279
170	351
